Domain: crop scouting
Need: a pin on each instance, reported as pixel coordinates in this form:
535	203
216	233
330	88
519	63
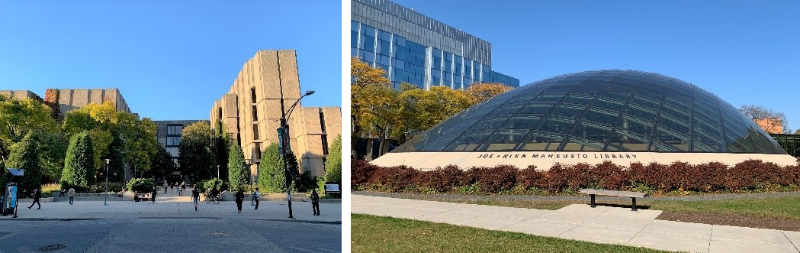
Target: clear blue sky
170	59
746	52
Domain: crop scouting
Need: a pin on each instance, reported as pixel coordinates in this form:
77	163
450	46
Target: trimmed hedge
141	184
654	178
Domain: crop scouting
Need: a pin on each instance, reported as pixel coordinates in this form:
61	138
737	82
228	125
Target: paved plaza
603	224
171	225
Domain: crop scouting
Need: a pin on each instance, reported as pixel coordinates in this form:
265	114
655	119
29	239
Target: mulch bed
733	220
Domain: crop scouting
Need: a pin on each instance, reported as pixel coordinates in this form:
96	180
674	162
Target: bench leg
592	196
633	208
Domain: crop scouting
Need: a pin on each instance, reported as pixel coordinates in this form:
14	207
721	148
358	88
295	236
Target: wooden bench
632	195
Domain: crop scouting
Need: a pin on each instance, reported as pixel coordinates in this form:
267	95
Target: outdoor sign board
10	199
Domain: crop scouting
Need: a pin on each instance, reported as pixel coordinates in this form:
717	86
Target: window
255	132
324	144
174	130
253	95
173	141
255	113
173	151
321	121
257	149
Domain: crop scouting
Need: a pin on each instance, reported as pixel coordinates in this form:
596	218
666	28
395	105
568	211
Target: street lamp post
284	130
105	201
217	171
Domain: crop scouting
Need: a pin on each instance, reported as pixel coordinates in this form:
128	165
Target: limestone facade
544	160
251	112
20	94
72	99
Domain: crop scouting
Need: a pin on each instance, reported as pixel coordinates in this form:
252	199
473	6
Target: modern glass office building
619	115
419	50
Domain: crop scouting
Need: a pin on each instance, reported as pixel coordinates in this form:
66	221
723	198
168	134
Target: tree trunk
384	148
369	149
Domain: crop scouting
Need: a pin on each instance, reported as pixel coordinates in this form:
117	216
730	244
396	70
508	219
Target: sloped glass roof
607	110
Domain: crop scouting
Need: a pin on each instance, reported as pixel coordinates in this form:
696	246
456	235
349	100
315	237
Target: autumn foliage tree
481	92
383	112
422	109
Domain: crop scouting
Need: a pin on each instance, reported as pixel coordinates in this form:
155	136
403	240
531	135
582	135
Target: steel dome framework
607	110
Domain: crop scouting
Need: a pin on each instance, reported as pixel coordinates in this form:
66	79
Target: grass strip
385	234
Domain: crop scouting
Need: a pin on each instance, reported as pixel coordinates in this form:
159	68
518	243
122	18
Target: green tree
271	175
221	146
5	175
238	173
116	157
333	165
52	149
18	118
140	144
199	131
24	155
195	152
118	136
162	163
79	164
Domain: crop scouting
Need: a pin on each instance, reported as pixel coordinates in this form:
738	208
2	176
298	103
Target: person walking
71	194
195	196
315	202
36	195
256	196
165	187
172	188
239	199
61	194
153	197
180	190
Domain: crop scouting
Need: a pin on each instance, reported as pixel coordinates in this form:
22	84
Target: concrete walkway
602	224
170	205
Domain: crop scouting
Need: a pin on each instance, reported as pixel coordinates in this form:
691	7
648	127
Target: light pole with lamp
283	132
217	171
105	201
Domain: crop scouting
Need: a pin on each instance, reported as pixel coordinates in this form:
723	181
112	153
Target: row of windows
612	110
174	130
405	61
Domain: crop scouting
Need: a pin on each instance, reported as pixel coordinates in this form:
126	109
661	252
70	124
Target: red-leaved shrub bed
654	178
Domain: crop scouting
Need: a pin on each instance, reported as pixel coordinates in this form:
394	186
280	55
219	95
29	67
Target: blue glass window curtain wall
608	110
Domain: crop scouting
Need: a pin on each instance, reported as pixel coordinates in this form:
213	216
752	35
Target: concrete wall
73	99
543	160
20	94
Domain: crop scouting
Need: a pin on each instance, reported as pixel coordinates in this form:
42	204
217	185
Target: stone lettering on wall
565	156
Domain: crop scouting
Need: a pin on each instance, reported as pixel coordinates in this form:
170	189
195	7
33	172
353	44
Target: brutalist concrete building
251	112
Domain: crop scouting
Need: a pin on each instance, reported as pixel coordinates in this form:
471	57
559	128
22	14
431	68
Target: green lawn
773	207
384	234
777	207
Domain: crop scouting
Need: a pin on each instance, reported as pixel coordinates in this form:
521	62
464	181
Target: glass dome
607	110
